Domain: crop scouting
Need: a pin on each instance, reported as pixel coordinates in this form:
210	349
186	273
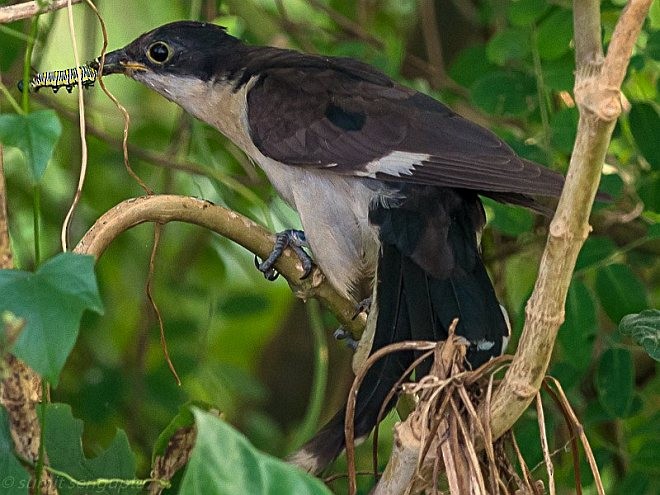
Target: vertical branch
599	100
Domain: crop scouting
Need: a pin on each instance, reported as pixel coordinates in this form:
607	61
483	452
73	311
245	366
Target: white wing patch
397	164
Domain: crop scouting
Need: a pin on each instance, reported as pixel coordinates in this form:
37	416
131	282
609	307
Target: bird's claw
342	334
362	307
295	239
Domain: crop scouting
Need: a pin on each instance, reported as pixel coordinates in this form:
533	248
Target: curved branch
171	208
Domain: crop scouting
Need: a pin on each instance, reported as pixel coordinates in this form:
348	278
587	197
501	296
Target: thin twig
544	445
580	431
83	139
25	10
349	425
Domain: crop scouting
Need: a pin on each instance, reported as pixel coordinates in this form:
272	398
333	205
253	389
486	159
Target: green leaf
647	459
653	45
63	441
559	74
52	301
504	93
620	292
596	248
510	44
615	381
654	231
471	64
509	220
577	333
526	12
644	329
224	462
554	34
649	191
563	127
14	478
35	134
645	127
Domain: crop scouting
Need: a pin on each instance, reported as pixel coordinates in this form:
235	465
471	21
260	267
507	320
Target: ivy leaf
51	301
63	441
615	382
223	461
35	134
620	292
644	329
14	478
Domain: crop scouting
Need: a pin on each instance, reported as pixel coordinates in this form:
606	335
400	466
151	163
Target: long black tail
429	272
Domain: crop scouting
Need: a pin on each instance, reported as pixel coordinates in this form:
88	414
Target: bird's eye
159	52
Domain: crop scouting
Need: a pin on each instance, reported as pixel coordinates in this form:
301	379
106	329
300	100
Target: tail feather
429	272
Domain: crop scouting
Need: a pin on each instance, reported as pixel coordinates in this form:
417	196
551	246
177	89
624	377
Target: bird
385	179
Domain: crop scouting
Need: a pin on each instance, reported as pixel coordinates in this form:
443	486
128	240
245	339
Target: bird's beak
118	62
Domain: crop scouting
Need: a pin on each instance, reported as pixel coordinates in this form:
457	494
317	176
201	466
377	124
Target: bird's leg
295	239
342	334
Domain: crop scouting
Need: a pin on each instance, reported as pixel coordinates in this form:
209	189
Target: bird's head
176	58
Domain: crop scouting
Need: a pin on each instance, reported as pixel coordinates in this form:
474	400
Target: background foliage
244	345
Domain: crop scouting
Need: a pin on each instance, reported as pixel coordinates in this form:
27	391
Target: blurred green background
245	345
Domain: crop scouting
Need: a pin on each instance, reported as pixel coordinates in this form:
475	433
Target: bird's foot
295	239
363	306
342	334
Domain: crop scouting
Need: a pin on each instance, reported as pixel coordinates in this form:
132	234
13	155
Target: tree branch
597	93
11	13
170	208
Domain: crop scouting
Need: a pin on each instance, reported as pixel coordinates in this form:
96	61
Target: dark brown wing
355	123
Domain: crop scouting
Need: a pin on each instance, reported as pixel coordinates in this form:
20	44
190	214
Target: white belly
333	211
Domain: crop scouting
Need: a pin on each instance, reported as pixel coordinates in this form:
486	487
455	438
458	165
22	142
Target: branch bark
171	208
600	102
599	99
24	10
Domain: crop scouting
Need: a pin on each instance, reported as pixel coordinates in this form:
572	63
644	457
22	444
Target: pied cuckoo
386	181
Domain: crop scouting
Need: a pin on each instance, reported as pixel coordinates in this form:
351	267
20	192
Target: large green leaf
471	64
509	220
644	329
563	126
504	93
554	34
51	301
14	479
35	134
62	438
510	44
577	332
525	12
596	248
615	381
224	462
620	292
645	127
